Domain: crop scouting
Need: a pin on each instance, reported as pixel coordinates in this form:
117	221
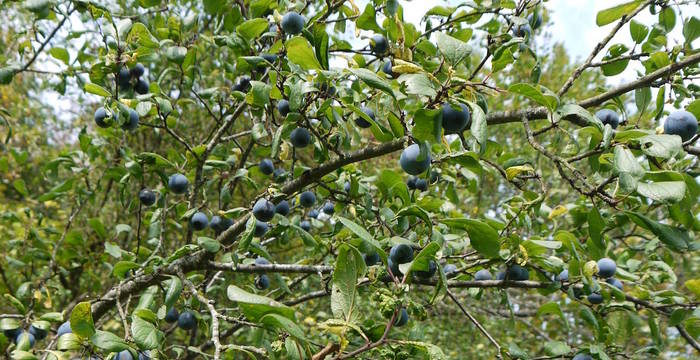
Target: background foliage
535	180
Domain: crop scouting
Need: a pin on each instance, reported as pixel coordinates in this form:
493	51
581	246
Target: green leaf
373	80
596	224
667	18
427	125
432	352
615	67
549	100
422	261
638	31
107	341
483	238
254	307
252	28
122	267
146	335
418	84
259	94
691	29
609	15
392	185
642	98
478	126
300	52
368	20
454	51
6	75
662	191
97	90
81	320
556	348
60	54
280	322
9	324
20	186
364	235
173	293
68	342
349	266
661	146
628	168
139	34
573	110
552	308
675	238
247	235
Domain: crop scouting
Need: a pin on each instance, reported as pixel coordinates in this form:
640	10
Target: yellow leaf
558	210
694	286
514	171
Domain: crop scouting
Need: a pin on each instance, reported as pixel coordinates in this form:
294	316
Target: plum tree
147	197
39	334
362	122
378	44
266	167
300	137
64	329
199	221
328	208
402	318
141	87
187	320
261	261
411	182
123	355
264	210
313	213
100	117
172	315
535	20
608	117
124	78
386	69
372	258
307	199
283	107
563	275
262	282
242	84
427	274
261	228
421	184
483	274
614	282
523	31
282	208
606	267
681	123
137	70
401	253
595	298
292	23
455	121
516	272
132	120
582	356
25	336
220	224
414	162
178	183
388	141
